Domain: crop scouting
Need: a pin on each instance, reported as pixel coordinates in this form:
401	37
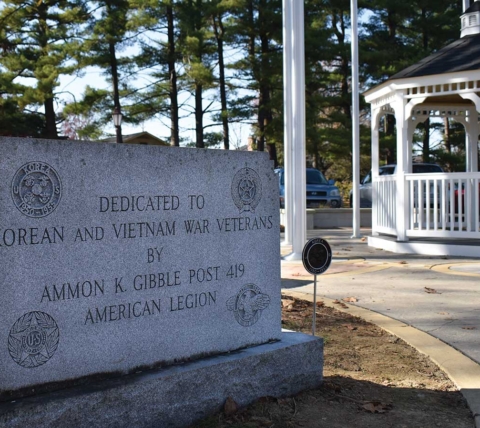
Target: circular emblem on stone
248	304
246	189
33	339
36	189
316	256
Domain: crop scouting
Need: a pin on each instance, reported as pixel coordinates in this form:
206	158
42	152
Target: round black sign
316	256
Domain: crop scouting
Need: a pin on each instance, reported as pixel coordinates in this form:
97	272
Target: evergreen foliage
218	61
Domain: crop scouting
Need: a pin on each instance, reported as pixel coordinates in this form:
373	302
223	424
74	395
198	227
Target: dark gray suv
320	191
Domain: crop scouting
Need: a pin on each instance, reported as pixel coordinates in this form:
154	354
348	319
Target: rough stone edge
178	395
462	371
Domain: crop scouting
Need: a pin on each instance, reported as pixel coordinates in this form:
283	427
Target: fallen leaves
292	305
351	327
341	304
376	407
230	407
469	328
431	290
403	262
350	299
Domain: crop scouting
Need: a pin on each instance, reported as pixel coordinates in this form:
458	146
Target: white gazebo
436	214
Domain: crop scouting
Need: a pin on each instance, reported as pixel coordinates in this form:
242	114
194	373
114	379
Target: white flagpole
299	187
287	109
355	122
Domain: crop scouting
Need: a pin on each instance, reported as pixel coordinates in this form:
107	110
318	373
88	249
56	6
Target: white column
288	118
376	115
475	133
471	131
466	4
411	126
355	123
299	233
402	169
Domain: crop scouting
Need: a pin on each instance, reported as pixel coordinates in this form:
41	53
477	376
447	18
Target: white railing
384	207
443	205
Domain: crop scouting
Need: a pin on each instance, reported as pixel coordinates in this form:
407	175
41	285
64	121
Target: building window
472	20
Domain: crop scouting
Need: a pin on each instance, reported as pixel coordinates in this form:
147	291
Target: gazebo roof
461	55
475	7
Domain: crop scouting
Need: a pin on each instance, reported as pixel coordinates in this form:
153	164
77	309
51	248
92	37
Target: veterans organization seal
246	189
248	304
316	256
33	339
36	189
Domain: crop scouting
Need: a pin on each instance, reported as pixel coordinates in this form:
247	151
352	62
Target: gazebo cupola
435	206
471	20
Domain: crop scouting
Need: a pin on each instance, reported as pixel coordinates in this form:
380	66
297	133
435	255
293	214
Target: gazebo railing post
401	218
376	116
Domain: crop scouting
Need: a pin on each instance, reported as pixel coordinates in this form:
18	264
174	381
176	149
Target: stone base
179	395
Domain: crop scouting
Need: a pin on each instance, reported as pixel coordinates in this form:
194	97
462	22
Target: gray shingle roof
475	7
461	55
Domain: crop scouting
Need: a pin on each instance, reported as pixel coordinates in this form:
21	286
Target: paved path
437	295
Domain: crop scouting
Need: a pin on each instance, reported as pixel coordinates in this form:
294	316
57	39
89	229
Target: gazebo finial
471	20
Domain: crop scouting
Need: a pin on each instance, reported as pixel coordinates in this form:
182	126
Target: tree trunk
116	95
448	143
264	109
200	144
172	72
50	122
50	118
390	130
426	141
272	151
219	32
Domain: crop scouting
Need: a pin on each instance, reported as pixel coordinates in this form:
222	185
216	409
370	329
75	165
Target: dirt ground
371	379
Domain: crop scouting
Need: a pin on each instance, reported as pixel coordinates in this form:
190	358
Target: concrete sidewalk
439	296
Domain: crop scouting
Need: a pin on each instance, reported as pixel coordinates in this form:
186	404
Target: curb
461	370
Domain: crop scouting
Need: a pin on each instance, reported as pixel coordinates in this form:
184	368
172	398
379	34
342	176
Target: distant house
139	138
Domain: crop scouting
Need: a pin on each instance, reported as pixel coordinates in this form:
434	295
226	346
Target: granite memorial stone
118	257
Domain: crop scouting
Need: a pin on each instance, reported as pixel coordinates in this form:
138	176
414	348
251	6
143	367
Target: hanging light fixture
117	117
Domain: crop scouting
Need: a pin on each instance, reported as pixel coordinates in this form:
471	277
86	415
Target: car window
422	169
314	176
367	179
386	170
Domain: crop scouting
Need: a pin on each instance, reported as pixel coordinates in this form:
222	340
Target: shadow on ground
345	402
294	283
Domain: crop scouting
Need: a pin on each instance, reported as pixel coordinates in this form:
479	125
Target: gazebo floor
428	246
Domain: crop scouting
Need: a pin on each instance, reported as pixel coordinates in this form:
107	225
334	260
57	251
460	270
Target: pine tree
159	56
37	41
197	47
104	35
258	26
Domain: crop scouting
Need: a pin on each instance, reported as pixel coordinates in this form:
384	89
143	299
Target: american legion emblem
36	189
33	339
246	189
247	305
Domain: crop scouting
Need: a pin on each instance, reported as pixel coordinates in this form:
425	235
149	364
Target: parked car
462	197
320	192
366	185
